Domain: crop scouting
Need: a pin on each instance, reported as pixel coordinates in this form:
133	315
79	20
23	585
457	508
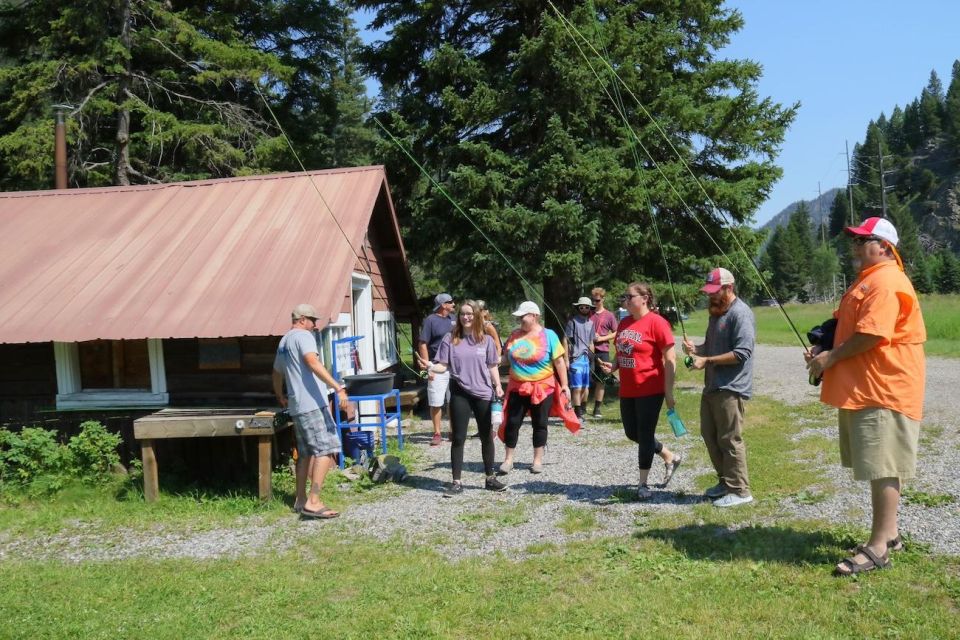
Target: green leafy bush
30	454
34	460
93	452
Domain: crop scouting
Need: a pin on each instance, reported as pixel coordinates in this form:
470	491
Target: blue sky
845	61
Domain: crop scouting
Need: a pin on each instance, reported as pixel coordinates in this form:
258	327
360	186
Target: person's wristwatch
341	388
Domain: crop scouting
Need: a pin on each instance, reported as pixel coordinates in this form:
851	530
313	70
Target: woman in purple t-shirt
472	358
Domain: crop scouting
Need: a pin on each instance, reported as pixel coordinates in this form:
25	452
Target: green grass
939	316
925	499
701	572
697	581
577	520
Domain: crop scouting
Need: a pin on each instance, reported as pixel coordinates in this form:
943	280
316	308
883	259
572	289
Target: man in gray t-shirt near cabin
297	364
435	327
727	358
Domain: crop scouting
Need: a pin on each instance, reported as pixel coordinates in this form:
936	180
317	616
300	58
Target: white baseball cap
877	227
527	307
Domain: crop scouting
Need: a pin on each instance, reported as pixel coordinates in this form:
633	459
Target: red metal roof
212	258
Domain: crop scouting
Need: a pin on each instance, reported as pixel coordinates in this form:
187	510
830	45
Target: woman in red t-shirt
647	363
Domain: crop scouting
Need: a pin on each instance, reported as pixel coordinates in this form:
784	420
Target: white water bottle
496	415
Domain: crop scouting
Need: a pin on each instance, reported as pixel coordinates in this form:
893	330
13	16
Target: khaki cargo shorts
878	443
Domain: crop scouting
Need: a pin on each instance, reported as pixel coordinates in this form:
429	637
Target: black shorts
601	356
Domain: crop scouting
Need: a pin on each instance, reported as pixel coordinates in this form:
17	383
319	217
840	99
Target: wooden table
207	423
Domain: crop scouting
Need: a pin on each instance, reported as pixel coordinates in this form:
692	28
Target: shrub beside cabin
118	301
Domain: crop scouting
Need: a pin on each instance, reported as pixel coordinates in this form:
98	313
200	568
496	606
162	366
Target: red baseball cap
716	279
878	227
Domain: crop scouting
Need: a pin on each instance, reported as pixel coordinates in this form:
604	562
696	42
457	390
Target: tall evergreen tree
951	108
800	241
162	91
497	102
931	107
839	213
895	134
913	125
948	275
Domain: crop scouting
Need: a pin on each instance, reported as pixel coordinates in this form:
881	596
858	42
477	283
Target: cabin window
385	332
110	374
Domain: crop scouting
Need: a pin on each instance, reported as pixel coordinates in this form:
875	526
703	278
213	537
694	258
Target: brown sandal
872	562
897	544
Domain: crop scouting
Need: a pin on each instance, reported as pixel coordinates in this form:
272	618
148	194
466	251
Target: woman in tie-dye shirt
536	358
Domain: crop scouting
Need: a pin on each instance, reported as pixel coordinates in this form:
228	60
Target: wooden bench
207	423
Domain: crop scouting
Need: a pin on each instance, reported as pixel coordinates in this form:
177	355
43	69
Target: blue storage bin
355	442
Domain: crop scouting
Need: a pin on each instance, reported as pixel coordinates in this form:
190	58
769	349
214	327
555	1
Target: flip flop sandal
872	562
324	514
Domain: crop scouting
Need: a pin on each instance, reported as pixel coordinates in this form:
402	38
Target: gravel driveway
577	497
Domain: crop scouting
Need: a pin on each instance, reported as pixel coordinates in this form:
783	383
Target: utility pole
883	185
853	221
823	236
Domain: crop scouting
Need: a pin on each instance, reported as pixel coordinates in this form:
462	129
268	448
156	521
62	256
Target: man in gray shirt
298	364
727	357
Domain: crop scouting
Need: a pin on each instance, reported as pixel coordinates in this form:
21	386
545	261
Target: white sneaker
732	500
643	492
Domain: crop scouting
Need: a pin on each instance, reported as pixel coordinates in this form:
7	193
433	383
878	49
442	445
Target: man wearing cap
727	358
578	335
874	375
435	327
298	364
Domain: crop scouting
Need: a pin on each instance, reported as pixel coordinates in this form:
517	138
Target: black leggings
462	404
517	407
640	417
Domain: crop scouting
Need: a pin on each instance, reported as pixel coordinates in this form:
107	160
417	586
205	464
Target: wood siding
28	380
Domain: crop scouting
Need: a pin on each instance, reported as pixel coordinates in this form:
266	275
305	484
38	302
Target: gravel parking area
587	476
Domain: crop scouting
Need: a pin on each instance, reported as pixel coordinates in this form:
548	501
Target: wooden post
264	483
151	484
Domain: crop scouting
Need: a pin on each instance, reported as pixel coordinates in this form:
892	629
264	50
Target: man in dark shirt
437	324
605	326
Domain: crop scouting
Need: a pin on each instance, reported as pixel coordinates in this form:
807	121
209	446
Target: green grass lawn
940	314
700	572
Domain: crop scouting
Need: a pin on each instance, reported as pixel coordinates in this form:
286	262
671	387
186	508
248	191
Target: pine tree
951	109
913	126
948	275
839	213
909	245
162	92
497	102
800	241
895	134
931	107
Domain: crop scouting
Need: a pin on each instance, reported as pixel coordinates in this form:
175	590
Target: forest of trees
497	102
920	150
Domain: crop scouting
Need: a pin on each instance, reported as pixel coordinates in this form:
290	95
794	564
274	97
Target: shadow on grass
758	542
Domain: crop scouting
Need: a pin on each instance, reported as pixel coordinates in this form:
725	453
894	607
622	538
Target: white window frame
337	329
385	332
362	295
70	394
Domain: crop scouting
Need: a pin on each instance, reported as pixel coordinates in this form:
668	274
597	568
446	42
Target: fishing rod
717	211
636	159
359	260
433	181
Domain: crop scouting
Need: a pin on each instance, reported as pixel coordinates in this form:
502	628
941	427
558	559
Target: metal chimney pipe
60	148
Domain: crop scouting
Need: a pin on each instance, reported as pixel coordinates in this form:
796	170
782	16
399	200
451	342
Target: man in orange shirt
874	375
